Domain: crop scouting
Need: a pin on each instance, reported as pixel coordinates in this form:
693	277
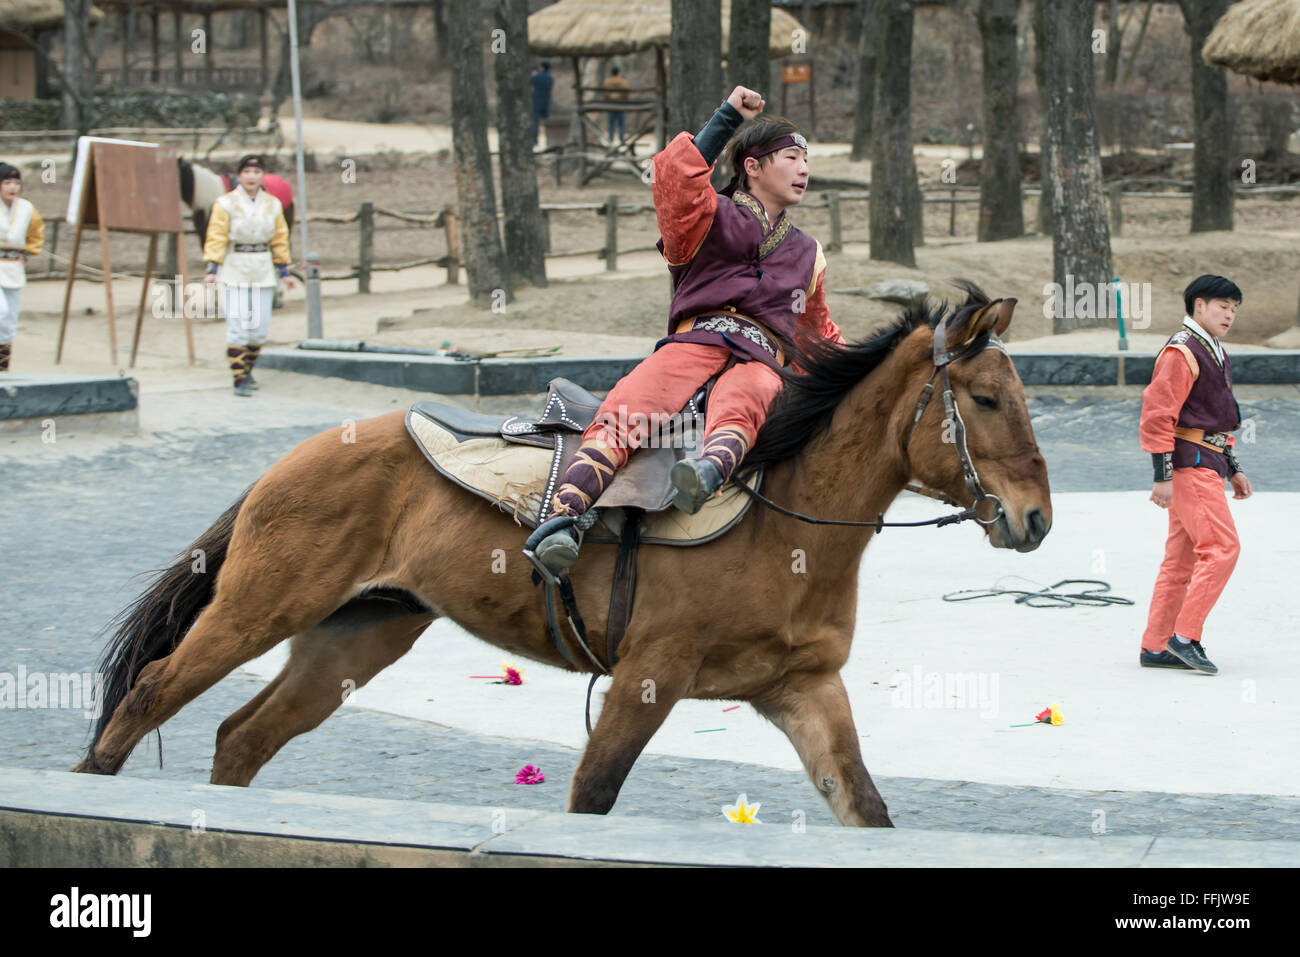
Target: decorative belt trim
13	255
251	247
1215	441
727	322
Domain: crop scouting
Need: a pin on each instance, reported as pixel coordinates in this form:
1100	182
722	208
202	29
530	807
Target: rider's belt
733	323
13	255
251	247
1215	441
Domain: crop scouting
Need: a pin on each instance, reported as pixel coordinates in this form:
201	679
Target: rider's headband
250	161
758	152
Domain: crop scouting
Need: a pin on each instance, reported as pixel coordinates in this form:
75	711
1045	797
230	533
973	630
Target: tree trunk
1114	42
480	240
1040	84
1080	228
76	51
525	234
1001	213
1212	164
748	59
440	32
892	217
866	81
695	64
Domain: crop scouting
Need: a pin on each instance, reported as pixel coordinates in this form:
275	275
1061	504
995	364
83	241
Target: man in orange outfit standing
746	286
1187	412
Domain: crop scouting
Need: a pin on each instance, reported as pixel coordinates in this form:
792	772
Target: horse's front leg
813	711
638	701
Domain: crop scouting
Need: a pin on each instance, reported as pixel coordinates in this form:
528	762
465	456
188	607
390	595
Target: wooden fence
368	215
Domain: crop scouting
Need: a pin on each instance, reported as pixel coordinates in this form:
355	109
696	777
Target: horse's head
984	445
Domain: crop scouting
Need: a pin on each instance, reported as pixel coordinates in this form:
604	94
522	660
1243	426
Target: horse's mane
803	408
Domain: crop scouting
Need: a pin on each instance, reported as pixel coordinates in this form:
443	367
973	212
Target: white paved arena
1126	728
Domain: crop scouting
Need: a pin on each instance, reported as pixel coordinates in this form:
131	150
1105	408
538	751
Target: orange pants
1200	553
667	379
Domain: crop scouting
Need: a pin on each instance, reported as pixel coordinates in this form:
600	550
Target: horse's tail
153	625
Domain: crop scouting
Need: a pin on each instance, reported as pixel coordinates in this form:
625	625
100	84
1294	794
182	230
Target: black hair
1209	287
613	71
9	172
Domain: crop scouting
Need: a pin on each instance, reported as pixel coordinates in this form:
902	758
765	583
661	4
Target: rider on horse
746	285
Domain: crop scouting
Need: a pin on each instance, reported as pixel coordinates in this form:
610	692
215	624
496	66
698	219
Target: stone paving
84	523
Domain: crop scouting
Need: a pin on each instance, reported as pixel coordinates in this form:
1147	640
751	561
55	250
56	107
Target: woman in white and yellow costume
247	242
22	231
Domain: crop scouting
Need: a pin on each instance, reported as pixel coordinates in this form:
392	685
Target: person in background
616	90
247	243
1187	412
542	82
22	233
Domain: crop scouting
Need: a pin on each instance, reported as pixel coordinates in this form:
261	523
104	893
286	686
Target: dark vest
764	276
1209	406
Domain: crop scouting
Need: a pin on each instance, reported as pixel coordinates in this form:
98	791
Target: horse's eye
985	402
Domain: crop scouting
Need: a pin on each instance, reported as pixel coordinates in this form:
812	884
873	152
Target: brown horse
351	548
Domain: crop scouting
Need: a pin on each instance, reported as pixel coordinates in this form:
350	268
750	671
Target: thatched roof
35	14
1260	38
609	27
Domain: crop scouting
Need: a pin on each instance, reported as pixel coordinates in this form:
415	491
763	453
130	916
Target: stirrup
694	481
574	524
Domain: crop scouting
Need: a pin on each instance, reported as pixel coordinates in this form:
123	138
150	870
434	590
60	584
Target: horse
351	545
200	188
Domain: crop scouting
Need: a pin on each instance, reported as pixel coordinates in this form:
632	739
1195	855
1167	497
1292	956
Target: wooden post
1116	191
366	256
209	62
108	290
581	121
153	42
453	246
144	296
264	46
546	229
611	233
122	18
833	206
661	100
952	211
176	21
171	268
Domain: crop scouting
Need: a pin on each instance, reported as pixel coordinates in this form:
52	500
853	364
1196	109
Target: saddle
516	462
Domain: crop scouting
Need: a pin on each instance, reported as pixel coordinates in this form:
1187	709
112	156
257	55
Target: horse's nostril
1036	524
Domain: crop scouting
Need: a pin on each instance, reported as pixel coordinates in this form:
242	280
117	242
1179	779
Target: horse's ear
1005	308
981	321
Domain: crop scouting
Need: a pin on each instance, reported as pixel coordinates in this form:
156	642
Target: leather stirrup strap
623	590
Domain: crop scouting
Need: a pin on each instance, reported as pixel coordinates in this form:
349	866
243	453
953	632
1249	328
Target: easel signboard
126	187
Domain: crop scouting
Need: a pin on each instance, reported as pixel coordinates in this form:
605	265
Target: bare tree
749	60
695	70
862	112
1001	211
1040	84
1212	194
1080	228
78	74
892	217
525	233
480	240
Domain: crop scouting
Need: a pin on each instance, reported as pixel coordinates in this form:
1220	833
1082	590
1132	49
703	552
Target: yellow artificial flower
742	812
1057	719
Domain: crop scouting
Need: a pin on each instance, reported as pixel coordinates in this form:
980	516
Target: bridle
942	357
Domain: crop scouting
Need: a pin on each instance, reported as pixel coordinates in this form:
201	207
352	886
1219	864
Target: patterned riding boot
6	348
239	366
588	473
697	479
253	352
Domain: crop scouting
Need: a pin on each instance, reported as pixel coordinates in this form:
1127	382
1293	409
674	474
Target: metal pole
314	326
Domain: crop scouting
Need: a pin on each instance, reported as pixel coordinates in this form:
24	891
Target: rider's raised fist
746	101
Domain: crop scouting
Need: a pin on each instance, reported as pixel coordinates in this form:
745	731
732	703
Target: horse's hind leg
813	711
325	665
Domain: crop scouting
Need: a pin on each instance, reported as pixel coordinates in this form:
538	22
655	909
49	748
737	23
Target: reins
942	359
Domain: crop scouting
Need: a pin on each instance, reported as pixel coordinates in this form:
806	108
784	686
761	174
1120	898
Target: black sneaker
694	481
1161	659
1192	655
559	550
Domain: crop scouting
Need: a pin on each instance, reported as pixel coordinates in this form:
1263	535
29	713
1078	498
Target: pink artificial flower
529	775
513	677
